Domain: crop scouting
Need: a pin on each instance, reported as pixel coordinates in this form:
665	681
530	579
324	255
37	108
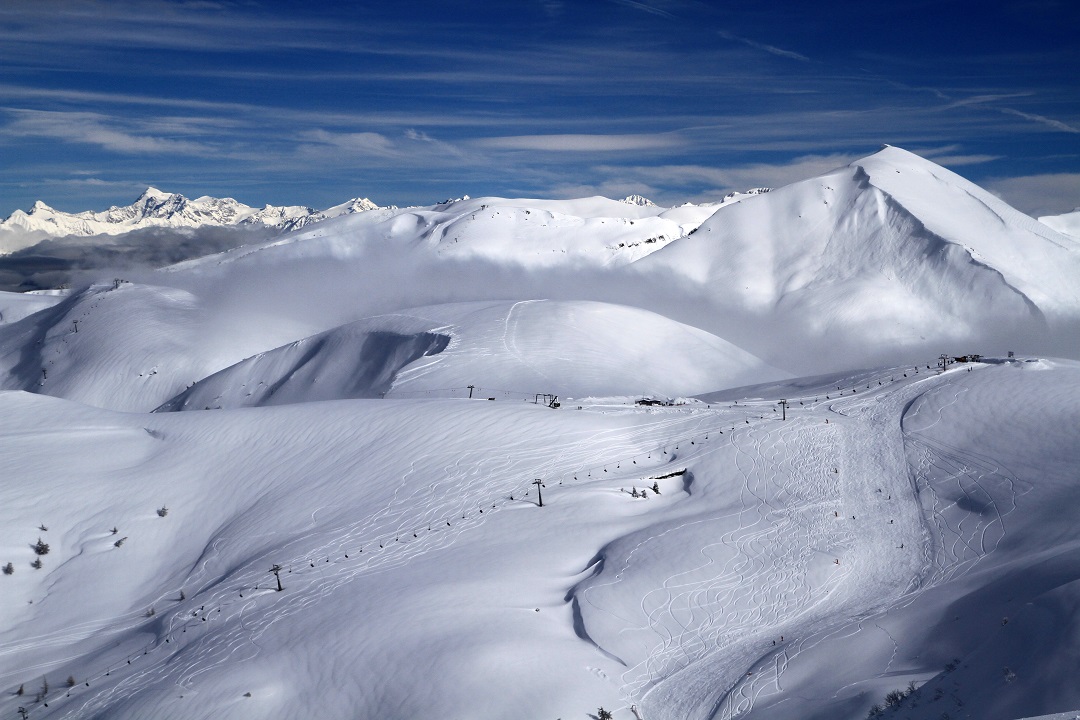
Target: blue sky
415	102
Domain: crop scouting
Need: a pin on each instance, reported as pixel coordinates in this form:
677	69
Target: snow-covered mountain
576	349
368	422
155	208
888	251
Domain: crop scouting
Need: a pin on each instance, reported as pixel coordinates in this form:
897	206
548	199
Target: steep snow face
1032	258
501	349
354	361
155	208
864	252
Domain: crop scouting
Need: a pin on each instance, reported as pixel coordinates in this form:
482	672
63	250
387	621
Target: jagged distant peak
152	193
157	208
360	204
639	200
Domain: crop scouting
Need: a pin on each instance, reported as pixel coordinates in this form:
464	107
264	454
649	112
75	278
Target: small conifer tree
42	547
603	714
9	569
36	564
656	487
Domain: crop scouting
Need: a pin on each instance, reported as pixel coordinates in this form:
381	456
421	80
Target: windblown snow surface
899	535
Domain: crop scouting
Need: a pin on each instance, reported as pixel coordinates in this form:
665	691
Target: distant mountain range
155	208
158	209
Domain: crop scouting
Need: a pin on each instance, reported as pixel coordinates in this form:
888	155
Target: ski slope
776	528
366	418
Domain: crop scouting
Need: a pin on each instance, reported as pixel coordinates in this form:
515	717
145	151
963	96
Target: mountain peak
638	200
152	193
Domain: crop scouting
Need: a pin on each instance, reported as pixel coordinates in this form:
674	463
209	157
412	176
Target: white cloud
364	143
1049	194
582	143
107	132
1042	119
771	49
720	180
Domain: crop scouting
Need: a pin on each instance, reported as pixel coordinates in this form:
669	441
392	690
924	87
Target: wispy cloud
95	129
771	49
582	143
1049	122
652	8
722	179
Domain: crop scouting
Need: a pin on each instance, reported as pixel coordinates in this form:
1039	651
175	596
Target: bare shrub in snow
894	698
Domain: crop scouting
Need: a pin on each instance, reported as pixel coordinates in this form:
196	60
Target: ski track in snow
795	476
411	525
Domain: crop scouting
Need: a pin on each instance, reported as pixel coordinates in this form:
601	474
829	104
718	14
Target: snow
16	306
1066	224
598	586
892	250
155	208
894	524
575	349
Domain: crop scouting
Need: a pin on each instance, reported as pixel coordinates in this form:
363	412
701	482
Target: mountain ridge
156	208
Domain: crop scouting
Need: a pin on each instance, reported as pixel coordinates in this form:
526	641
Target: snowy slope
892	252
900	526
129	346
506	349
1066	224
1037	262
514	232
889	251
400	595
16	306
